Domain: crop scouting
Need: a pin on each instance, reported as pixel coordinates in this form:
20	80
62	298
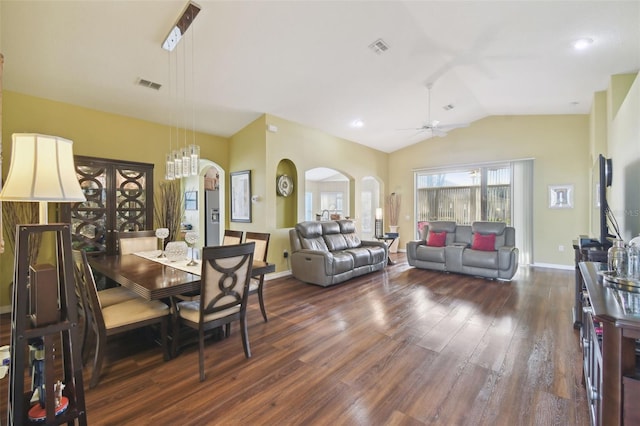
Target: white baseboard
5	309
554	266
275	275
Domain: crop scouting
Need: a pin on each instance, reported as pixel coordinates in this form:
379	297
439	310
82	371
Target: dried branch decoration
393	205
169	208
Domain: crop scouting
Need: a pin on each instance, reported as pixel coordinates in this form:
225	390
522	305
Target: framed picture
560	196
241	196
191	200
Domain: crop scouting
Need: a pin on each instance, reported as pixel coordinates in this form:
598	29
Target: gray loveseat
330	252
495	257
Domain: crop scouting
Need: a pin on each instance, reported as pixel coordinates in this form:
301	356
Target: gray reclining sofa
330	252
457	254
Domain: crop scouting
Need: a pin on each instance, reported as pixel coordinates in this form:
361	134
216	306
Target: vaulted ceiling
310	61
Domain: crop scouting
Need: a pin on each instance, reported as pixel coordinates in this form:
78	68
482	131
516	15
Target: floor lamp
44	304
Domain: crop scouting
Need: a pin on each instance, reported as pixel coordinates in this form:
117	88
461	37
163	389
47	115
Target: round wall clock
284	185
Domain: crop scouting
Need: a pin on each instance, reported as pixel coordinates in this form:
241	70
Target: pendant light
183	160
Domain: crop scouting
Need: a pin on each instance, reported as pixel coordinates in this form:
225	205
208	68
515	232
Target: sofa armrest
412	250
507	254
373	243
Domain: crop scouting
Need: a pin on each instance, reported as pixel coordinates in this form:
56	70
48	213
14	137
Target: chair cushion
191	311
131	311
484	242
254	283
115	295
437	239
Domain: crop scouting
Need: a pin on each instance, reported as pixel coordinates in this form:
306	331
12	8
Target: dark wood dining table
154	280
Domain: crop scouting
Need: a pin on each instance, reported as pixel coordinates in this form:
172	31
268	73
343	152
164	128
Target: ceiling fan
433	126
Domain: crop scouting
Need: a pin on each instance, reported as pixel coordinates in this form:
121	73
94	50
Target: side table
388	241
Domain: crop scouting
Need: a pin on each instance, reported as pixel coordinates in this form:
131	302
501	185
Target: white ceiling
309	61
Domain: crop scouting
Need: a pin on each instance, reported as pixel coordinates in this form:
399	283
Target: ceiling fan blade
453	126
411	128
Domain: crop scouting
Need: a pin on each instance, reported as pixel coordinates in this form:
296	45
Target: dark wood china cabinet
119	198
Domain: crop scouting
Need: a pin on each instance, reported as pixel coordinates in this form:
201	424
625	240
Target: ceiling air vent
379	46
150	84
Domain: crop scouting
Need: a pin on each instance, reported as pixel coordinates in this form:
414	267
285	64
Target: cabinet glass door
119	198
89	219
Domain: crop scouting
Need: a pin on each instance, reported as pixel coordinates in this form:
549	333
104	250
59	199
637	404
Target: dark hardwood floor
401	347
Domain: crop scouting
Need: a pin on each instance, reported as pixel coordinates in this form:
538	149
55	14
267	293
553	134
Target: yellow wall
95	134
624	149
558	143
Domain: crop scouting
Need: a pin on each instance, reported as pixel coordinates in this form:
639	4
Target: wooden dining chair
107	297
262	246
110	320
232	237
224	289
136	241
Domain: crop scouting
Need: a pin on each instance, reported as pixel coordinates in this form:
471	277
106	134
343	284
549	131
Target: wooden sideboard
610	335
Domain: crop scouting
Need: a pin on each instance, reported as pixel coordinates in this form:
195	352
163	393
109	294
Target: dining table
156	278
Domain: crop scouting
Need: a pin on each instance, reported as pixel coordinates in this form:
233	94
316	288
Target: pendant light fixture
183	160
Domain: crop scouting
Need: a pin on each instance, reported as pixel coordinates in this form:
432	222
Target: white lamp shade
379	213
41	169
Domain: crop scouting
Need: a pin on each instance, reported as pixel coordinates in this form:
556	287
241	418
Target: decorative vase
176	250
393	229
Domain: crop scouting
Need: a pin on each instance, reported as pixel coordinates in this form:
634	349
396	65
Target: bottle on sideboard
617	258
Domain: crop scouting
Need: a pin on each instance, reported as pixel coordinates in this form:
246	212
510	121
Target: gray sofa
457	255
330	252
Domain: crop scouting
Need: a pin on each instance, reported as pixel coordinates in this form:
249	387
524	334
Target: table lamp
42	170
379	229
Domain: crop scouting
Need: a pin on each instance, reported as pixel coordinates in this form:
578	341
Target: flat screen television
604	181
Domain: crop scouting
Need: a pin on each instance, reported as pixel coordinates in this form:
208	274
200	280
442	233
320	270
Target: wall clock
284	185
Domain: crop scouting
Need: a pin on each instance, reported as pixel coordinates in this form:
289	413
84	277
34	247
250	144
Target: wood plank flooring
401	347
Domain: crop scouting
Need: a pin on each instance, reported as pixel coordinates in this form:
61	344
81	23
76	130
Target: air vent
379	46
150	84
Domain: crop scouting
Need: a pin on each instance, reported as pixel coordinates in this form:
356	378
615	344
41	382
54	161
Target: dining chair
224	289
114	319
262	246
107	297
136	241
232	237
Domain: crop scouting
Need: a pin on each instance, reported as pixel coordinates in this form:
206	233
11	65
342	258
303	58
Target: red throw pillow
437	239
484	242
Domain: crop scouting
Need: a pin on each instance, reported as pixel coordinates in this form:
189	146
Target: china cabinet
119	198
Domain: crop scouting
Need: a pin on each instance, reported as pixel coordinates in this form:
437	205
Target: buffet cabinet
610	335
119	198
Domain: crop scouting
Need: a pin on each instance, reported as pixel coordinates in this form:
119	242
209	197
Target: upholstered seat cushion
430	254
115	295
342	262
480	259
361	256
132	311
191	311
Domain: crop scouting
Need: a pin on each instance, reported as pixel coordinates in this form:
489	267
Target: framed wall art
560	196
241	196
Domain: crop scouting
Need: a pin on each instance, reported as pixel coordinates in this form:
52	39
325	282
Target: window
464	195
331	201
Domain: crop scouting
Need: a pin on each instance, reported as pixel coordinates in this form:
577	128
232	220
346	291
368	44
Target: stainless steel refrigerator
212	218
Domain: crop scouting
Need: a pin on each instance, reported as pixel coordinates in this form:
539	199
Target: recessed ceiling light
582	43
357	124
